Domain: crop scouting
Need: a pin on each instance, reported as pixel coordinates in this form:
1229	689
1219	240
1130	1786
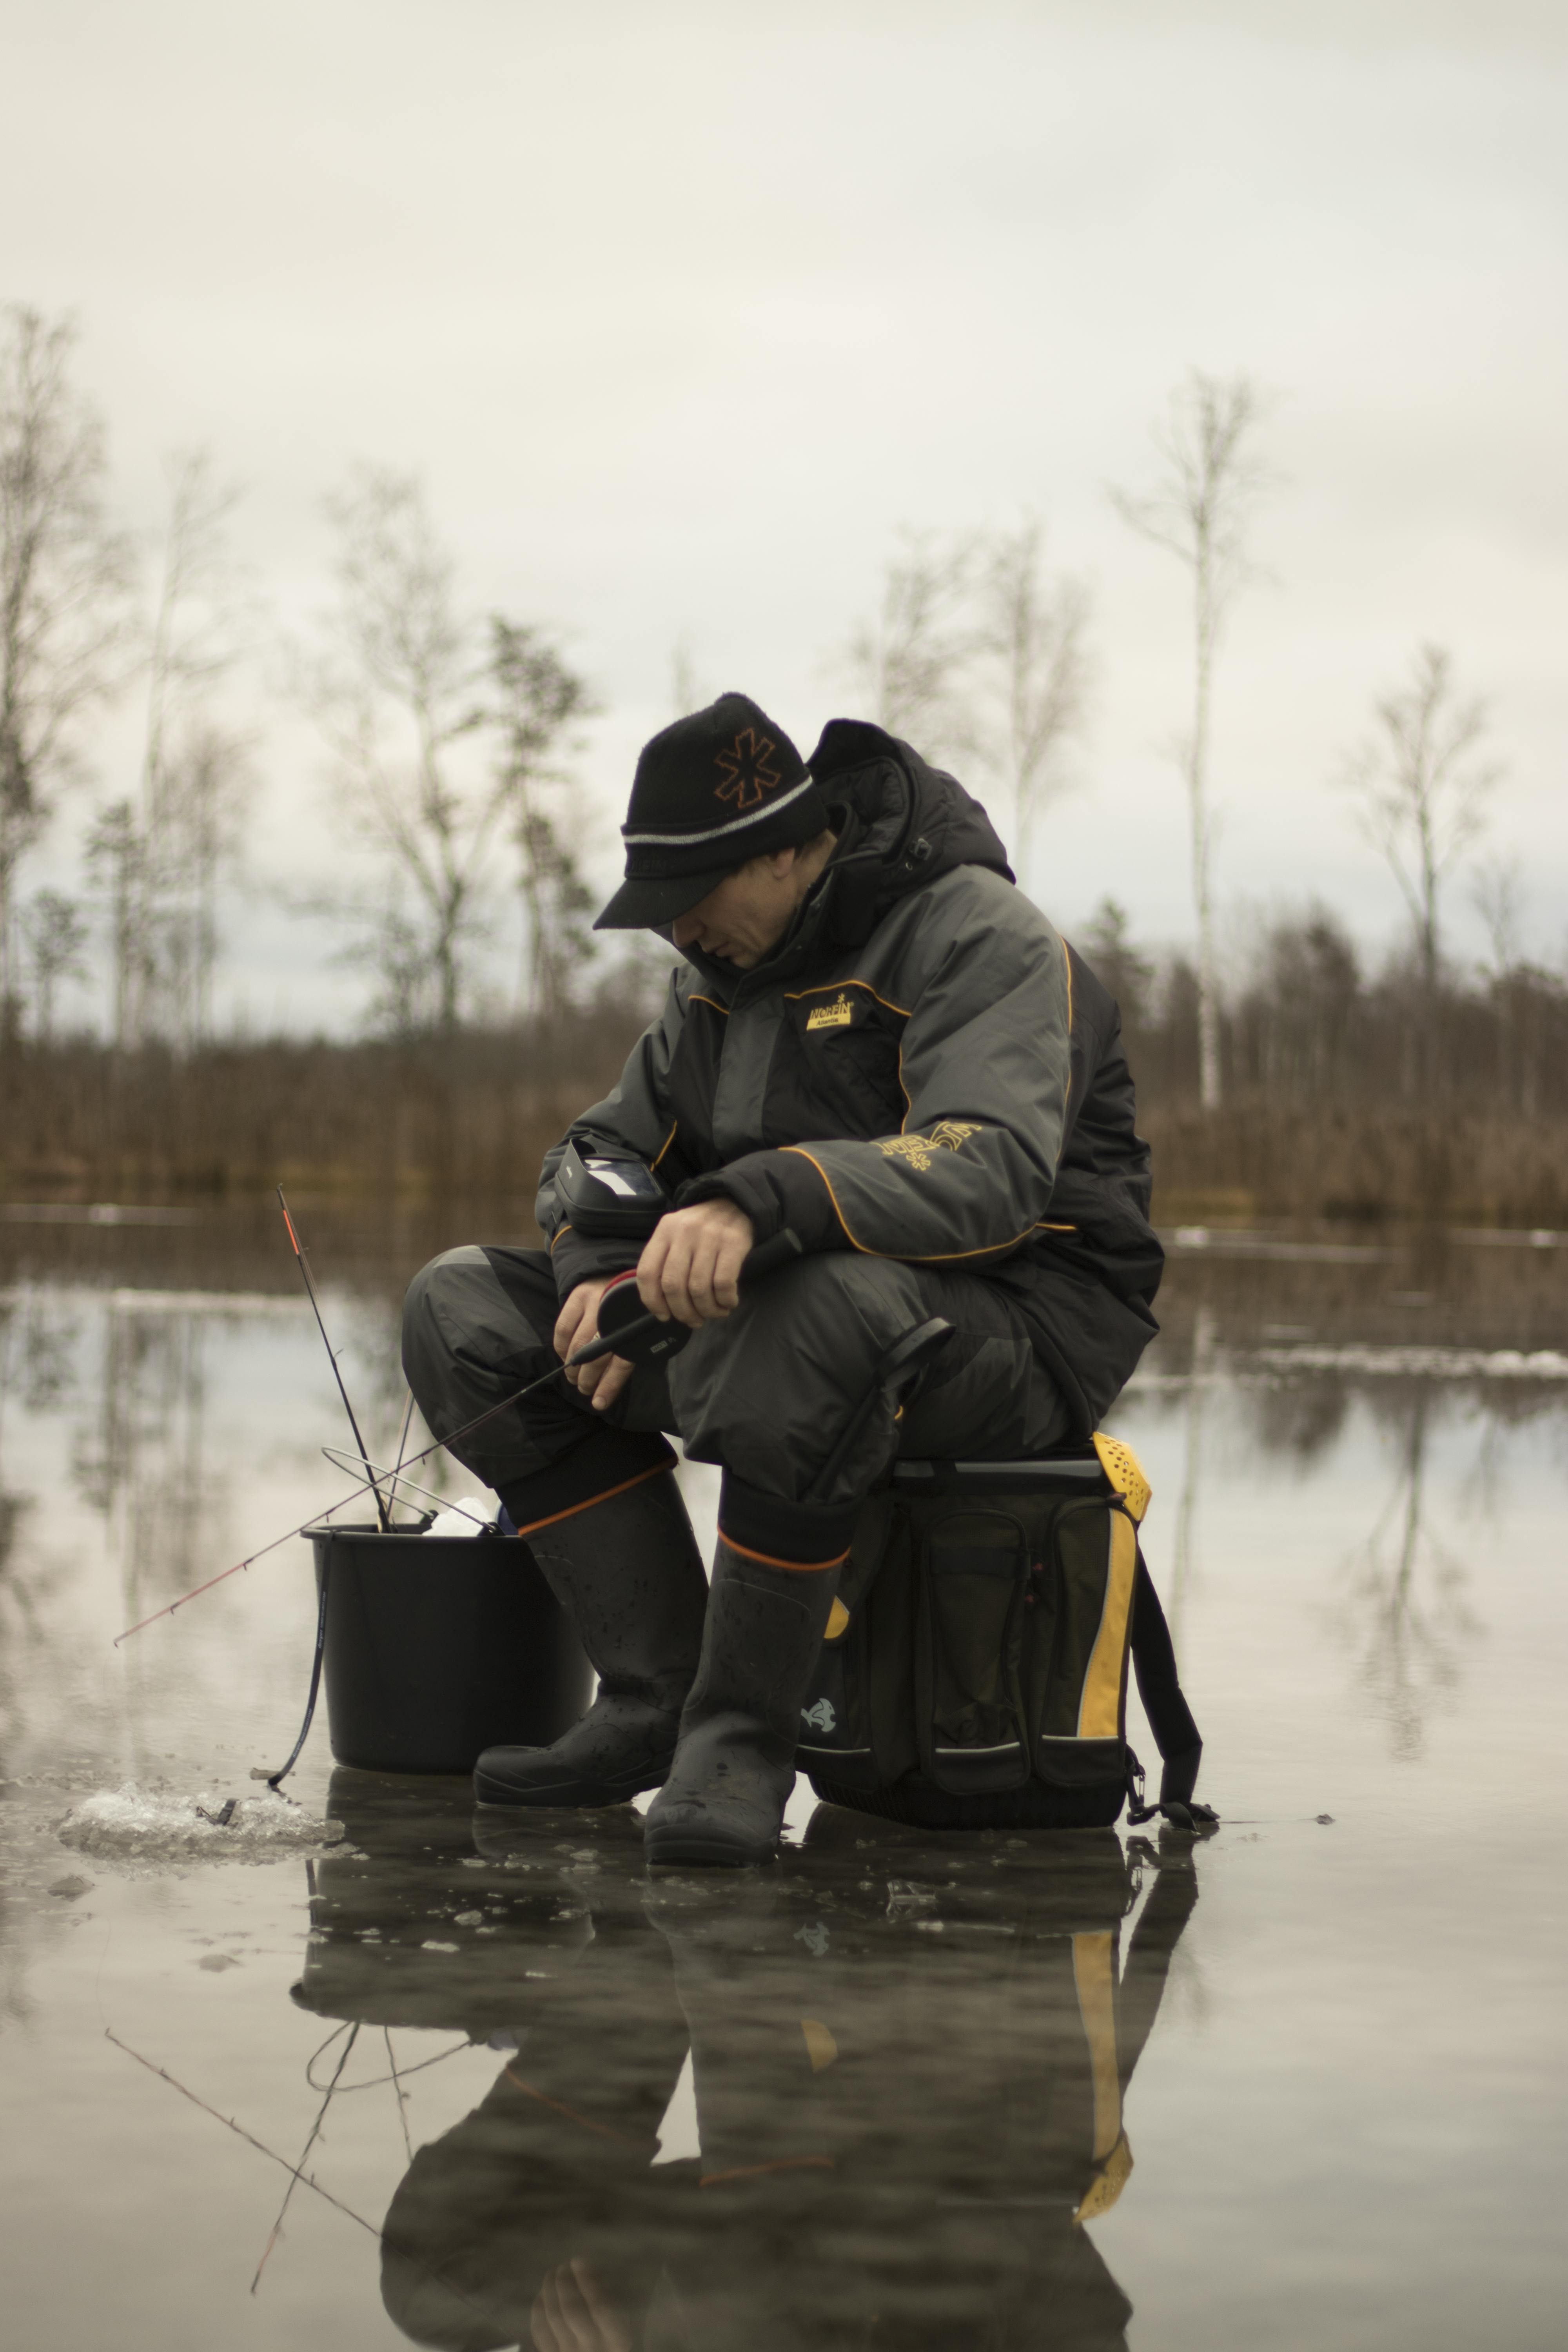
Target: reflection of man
878	1043
900	2135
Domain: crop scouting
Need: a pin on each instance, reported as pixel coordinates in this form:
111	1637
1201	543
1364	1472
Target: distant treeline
1349	1095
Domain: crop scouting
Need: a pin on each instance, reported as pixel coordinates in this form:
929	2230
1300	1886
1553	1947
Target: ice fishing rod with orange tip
626	1329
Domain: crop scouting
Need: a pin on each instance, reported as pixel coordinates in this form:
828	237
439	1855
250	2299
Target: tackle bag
973	1674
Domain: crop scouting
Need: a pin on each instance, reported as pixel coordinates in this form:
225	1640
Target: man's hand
690	1268
571	2312
577	1323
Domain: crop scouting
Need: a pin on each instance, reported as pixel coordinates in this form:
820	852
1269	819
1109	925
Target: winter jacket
923	1070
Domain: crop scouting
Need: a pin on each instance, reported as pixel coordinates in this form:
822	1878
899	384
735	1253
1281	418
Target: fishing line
376	2082
400	2092
407	1425
400	1478
325	1511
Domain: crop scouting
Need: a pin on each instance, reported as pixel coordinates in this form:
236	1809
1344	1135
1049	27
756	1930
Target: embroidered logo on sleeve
745	771
947	1135
836	1015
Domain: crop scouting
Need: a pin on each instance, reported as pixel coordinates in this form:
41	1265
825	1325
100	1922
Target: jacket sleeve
985	1066
633	1117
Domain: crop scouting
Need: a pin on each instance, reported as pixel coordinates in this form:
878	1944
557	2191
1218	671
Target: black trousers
766	1391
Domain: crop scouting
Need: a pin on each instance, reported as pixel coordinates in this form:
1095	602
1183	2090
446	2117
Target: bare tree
115	852
1422	790
912	662
210	784
160	854
397	695
56	942
1497	893
1198	511
65	582
1035	629
540	702
1118	962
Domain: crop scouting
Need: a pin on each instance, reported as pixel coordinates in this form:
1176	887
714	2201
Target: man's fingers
701	1281
614	1372
650	1270
541	2326
676	1278
691	1268
585	1377
561	2320
578	1319
733	1251
612	2332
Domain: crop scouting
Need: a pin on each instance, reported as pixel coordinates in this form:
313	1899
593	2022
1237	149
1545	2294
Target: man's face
746	915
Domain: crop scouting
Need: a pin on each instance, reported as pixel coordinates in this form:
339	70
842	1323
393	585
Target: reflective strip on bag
1099	1706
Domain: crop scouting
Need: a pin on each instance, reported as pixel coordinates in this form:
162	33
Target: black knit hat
710	792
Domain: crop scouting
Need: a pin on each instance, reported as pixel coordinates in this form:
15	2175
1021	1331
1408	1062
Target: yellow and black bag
974	1671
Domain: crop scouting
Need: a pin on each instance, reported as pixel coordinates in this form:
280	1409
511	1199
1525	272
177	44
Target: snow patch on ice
470	1515
138	1824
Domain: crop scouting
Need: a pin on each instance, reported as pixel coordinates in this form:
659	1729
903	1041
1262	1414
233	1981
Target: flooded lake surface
469	2084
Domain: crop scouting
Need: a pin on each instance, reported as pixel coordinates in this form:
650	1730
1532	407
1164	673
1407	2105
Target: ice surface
138	1824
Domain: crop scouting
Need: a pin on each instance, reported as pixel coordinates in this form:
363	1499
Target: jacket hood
901	822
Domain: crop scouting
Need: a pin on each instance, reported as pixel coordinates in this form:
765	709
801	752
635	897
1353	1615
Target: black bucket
439	1646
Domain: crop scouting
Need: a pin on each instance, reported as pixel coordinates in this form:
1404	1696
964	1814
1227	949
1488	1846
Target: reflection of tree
143	1466
35	1371
1406	1588
1301	1418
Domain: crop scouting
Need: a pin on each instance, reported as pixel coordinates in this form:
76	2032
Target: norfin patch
836	1015
919	1150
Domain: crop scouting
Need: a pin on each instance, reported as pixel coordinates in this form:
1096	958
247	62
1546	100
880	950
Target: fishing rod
642	1338
383	1514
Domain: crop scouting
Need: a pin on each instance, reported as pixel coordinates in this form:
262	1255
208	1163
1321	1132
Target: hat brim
648	905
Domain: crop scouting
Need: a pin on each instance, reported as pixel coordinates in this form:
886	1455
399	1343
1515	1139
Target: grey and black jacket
924	1070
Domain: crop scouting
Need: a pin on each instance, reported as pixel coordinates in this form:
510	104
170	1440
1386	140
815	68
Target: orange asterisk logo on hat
742	766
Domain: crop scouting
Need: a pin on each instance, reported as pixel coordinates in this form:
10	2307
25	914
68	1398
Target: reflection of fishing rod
297	2171
641	1338
304	1265
380	2230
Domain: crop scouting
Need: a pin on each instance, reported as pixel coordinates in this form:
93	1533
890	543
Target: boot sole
581	1795
703	1849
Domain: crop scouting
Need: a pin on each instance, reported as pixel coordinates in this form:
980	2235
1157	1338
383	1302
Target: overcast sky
681	311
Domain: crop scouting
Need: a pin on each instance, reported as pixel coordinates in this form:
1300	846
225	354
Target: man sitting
877	1043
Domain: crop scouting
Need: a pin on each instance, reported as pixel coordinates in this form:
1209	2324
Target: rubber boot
627	1572
735	1766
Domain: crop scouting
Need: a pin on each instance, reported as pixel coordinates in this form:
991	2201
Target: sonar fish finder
609	1193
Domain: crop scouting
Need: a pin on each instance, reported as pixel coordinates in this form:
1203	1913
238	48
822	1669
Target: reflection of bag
976	1672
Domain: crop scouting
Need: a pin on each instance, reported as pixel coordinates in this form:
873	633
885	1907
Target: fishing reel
635	1335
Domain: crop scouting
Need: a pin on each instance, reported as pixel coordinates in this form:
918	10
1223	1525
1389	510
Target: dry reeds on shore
469	1115
1346	1098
